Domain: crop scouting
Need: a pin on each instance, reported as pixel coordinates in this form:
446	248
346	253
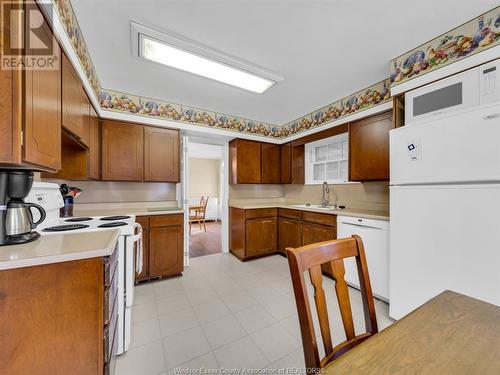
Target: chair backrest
204	202
310	258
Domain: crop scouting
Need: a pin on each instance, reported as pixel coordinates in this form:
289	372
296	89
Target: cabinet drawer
166	220
143	221
261	212
291	214
324	219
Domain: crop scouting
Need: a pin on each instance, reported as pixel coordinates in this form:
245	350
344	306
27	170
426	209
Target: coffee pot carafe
16	218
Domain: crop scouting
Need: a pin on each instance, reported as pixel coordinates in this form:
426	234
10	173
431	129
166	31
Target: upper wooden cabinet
271	165
42	117
286	163
122	151
161	155
255	162
292	164
132	152
30	113
85	106
94	153
72	100
245	161
369	148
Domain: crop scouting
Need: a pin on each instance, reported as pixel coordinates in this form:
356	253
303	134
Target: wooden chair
310	258
199	214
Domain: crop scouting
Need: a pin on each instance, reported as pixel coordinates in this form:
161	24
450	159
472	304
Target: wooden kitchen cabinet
122	151
253	233
163	246
30	112
312	233
85	105
369	148
94	152
292	164
166	245
42	117
271	163
61	317
289	234
245	161
72	100
261	236
161	155
286	163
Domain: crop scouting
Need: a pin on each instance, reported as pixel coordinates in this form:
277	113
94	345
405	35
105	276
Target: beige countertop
59	248
356	212
142	211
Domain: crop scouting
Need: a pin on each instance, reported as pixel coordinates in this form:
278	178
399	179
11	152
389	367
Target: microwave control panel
489	82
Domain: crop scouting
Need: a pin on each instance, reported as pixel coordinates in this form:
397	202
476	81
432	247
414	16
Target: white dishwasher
375	236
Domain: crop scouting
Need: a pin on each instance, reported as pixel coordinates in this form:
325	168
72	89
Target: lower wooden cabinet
258	232
290	234
165	251
253	233
163	246
60	318
261	236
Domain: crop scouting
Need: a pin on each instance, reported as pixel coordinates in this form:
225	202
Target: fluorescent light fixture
168	54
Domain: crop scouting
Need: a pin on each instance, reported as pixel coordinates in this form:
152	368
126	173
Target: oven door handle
137	237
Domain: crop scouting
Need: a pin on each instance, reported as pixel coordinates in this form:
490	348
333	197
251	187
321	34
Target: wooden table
450	334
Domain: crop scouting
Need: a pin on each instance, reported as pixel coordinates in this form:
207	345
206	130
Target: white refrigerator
445	209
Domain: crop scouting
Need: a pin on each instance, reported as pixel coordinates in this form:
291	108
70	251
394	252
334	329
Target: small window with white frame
327	160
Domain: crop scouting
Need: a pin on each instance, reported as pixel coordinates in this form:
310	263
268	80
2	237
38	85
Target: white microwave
471	88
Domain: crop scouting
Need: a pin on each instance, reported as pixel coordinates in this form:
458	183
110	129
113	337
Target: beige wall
255	191
110	192
204	176
370	195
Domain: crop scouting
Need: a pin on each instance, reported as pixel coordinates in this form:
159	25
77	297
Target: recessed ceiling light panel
181	54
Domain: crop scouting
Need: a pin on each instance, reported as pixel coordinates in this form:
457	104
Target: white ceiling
324	49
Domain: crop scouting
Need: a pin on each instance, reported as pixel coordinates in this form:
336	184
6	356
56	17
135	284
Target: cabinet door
161	155
290	234
298	160
245	162
122	151
42	123
85	108
165	251
286	163
369	148
271	164
261	236
72	118
312	233
94	162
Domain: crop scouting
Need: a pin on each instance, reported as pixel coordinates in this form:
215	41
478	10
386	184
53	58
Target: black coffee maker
16	219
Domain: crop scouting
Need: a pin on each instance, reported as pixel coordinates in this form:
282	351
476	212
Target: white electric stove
129	261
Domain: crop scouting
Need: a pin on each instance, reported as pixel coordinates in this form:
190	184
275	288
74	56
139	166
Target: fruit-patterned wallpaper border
452	46
472	37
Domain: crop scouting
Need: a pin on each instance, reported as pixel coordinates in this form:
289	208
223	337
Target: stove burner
76	219
63	228
113	224
111	218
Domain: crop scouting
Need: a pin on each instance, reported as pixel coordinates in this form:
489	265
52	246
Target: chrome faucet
326	193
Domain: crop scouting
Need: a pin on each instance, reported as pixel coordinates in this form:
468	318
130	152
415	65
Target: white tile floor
225	313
